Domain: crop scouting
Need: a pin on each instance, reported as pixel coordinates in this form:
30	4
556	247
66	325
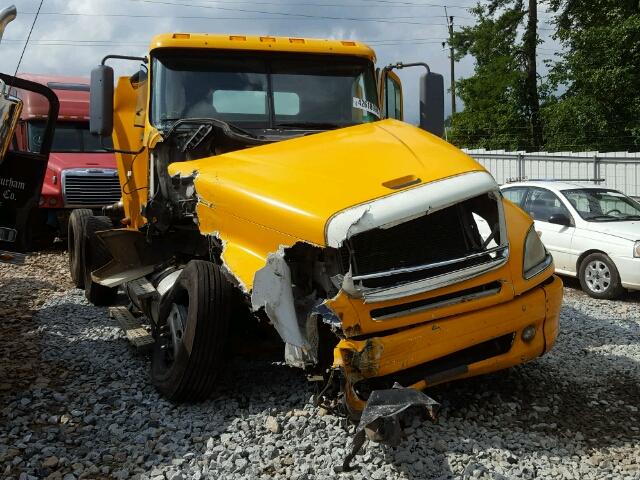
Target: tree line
588	100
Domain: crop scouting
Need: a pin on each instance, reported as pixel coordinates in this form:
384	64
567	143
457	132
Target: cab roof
264	43
72	92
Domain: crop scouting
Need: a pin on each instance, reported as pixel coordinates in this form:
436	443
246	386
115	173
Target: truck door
21	174
391	95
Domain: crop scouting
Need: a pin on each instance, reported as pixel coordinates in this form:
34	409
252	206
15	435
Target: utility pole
453	72
531	80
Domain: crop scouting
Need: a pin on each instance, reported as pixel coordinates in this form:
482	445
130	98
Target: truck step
140	339
142	288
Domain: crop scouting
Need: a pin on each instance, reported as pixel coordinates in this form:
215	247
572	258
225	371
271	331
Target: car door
541	204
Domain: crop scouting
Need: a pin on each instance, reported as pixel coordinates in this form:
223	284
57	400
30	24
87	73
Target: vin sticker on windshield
366	105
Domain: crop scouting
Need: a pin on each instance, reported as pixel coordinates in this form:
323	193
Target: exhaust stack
7	16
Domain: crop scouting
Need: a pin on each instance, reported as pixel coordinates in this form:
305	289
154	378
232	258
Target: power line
28	37
201	17
287	14
385	3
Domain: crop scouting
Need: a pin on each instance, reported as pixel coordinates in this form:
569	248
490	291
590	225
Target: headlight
636	249
536	257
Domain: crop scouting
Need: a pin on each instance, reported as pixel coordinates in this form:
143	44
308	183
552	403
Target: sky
71	36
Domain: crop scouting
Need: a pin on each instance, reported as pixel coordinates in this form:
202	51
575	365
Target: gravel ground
75	402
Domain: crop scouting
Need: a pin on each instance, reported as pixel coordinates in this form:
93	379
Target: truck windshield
598	205
68	137
263	91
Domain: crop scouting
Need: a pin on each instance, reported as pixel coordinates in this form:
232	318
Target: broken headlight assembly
536	257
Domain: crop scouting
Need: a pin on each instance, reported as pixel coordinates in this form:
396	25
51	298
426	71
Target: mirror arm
124	57
400	66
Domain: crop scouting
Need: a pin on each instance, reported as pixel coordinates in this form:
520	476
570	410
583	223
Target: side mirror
101	101
10	109
560	219
432	103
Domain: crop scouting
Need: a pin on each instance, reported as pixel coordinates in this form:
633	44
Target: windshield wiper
314	125
630	217
197	122
605	218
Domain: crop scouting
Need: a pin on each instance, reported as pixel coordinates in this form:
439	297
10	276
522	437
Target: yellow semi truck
276	176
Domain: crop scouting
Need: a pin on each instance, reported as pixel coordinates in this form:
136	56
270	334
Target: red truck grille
90	187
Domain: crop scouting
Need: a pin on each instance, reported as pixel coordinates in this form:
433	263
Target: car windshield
68	137
265	91
598	205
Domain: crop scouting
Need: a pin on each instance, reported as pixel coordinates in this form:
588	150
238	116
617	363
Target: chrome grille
90	187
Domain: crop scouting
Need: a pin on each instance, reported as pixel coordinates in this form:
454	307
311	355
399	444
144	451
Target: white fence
619	170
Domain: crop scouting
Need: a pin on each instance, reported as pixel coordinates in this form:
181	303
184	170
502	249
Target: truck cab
81	173
274	175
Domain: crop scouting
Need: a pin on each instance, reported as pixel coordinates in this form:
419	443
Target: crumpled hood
296	185
628	230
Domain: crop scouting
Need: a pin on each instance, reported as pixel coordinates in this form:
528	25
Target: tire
76	230
185	367
96	255
599	277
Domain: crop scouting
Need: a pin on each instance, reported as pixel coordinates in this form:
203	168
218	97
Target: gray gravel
75	402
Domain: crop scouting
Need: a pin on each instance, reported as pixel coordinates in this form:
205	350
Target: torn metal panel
382	414
272	291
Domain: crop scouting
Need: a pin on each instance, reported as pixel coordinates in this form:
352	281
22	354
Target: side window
515	195
543	203
393	96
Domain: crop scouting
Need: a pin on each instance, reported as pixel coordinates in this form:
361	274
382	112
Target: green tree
501	97
598	77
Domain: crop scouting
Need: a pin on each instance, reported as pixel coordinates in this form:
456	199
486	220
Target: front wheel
599	277
189	351
76	228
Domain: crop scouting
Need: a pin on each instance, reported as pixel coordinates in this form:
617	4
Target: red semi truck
80	173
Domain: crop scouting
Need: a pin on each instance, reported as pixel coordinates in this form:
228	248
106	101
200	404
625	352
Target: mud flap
380	420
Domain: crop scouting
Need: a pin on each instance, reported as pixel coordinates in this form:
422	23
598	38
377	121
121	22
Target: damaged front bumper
454	347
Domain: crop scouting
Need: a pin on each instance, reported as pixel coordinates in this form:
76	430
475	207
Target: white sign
366	105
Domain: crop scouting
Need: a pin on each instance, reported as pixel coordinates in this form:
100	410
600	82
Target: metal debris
380	420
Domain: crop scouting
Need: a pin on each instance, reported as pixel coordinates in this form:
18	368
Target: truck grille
463	237
90	187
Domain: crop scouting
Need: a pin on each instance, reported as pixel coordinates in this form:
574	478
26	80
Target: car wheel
75	231
599	277
191	338
96	255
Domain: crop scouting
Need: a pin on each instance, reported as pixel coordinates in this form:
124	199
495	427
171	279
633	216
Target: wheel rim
172	332
597	276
